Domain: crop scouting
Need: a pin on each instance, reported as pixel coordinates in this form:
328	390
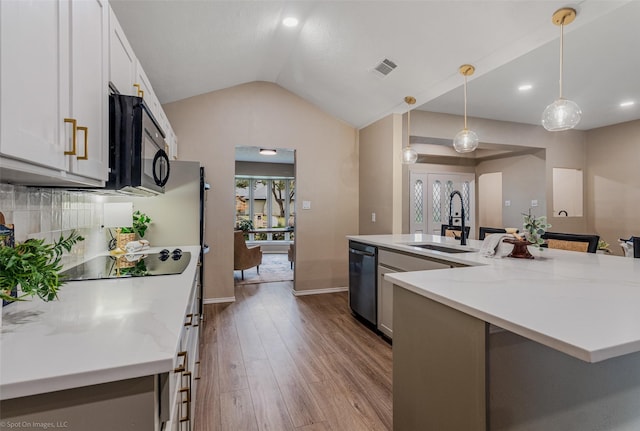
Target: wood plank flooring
273	361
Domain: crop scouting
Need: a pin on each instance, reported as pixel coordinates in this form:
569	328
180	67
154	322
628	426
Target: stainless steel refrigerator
178	215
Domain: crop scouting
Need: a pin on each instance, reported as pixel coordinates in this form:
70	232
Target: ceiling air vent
385	67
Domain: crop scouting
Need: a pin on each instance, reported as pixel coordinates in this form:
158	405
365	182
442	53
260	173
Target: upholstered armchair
245	257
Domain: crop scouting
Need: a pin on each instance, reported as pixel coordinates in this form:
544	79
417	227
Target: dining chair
572	241
454	231
484	231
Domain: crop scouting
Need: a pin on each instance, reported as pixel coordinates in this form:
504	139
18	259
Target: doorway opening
265	194
430	201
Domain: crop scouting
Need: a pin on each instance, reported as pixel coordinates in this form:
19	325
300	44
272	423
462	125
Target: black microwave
138	162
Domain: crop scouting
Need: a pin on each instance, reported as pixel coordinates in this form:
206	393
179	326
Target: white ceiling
192	47
252	154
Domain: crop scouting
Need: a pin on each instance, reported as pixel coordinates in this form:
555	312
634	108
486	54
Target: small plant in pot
534	228
139	227
245	225
35	267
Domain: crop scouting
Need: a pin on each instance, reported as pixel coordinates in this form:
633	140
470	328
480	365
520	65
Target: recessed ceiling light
290	21
525	87
627	104
268	151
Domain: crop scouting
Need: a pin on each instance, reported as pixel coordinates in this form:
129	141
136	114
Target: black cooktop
129	265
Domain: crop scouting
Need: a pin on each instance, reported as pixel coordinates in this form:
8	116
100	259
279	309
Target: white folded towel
134	246
492	245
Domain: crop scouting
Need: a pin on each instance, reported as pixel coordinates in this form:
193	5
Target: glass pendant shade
561	115
465	141
409	155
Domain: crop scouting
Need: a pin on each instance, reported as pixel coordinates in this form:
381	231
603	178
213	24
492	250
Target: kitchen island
103	356
514	344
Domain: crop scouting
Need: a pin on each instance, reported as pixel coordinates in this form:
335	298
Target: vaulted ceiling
192	47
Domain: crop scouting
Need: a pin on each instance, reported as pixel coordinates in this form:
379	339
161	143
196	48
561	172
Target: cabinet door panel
31	124
385	302
89	86
122	60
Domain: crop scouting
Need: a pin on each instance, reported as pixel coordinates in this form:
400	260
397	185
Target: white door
430	198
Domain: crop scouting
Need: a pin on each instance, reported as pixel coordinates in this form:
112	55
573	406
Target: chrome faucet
463	239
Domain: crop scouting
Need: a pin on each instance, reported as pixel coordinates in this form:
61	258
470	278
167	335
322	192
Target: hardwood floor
273	361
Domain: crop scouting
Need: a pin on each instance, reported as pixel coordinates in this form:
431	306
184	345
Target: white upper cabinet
147	93
89	88
122	59
31	123
127	75
54	86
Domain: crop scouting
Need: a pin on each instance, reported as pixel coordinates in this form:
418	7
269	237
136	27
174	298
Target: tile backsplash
48	213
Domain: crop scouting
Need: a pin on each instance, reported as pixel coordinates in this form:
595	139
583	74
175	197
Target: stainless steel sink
441	248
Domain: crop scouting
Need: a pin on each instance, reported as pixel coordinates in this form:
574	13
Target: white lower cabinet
388	262
186	372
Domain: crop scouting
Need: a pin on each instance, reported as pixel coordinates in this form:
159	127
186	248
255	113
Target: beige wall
523	180
613	182
380	176
563	149
210	126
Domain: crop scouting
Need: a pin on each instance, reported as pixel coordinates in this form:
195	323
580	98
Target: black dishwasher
363	286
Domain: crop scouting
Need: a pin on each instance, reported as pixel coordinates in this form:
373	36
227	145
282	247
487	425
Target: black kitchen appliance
363	286
129	265
138	163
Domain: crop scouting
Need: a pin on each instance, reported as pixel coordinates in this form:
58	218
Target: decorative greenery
603	245
534	228
141	223
35	266
245	225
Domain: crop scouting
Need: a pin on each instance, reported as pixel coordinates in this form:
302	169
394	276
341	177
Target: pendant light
562	114
409	155
466	140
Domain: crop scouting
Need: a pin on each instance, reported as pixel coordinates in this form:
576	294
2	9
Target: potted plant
139	227
603	247
533	229
245	225
34	266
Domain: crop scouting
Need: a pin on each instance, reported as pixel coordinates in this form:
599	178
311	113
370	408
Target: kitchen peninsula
109	354
514	344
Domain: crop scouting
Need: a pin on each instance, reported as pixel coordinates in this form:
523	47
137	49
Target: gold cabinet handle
74	123
140	92
182	367
190	321
186	417
86	143
197	364
187	390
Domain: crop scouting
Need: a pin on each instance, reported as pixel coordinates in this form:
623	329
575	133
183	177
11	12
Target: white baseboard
219	300
319	291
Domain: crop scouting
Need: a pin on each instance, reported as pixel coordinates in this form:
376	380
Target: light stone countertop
98	331
583	304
